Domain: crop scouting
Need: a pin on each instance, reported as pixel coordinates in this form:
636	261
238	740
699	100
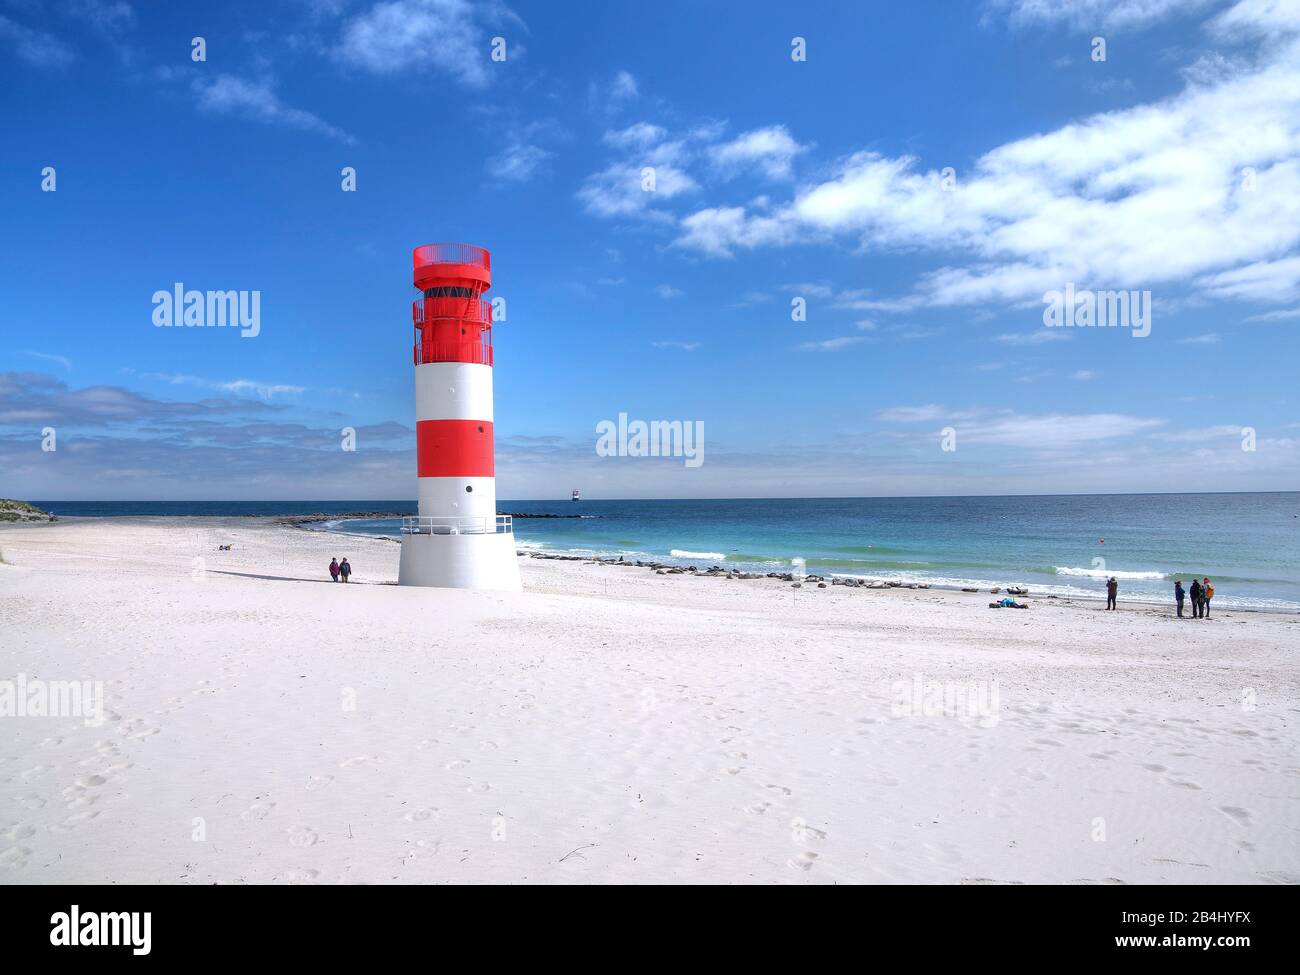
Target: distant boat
577	496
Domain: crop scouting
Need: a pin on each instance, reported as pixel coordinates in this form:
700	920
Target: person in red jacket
334	569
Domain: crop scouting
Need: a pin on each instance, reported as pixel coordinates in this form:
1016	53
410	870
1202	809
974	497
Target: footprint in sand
302	836
19	831
358	761
140	730
77	818
51	742
75	797
317	782
31	801
420	815
802	832
758	808
1155	768
1033	775
778	789
14	857
456	763
804	861
91	781
257	811
1238	815
298	875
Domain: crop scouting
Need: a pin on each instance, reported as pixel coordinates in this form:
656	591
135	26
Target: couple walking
338	568
1201	592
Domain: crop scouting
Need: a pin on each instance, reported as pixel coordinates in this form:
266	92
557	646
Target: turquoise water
1248	544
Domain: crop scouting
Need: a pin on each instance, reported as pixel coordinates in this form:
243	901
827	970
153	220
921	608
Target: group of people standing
340	569
1201	592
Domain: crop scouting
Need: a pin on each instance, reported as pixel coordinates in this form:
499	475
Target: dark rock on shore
520	514
299	520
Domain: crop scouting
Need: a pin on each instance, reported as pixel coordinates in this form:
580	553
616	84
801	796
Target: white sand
611	725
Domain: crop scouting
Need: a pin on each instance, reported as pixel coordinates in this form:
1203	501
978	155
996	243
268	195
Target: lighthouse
458	541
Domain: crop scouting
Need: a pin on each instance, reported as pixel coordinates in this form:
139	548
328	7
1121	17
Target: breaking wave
1107	573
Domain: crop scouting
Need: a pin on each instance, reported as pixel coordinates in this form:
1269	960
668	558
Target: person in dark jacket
1196	599
1179	595
334	569
345	570
1112	590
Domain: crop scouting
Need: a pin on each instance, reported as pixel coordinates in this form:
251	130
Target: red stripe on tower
454	448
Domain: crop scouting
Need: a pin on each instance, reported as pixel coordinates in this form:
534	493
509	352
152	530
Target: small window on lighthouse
480	429
469	488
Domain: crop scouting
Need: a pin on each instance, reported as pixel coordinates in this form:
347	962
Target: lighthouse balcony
458	525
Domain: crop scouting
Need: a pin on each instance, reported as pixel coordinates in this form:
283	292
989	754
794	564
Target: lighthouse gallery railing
458	525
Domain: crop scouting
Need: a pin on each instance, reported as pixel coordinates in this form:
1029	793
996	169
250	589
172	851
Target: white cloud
37	48
1090	14
1056	430
624	87
1037	337
830	345
639	136
686	346
447	35
1258	18
771	150
1084	375
1208	339
1271	281
227	95
668	291
517	163
1096	202
1281	315
264	390
62	360
926	413
610	98
617	191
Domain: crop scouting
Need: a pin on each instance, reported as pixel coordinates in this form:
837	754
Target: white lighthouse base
469	561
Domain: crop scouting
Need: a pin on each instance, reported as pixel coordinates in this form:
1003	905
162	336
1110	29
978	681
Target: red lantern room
453	322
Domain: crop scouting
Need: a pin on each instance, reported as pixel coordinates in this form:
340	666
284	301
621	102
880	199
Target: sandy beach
607	725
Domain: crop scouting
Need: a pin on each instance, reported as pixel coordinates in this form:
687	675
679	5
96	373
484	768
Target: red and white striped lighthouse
458	541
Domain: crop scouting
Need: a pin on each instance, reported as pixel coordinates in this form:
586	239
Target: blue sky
1173	166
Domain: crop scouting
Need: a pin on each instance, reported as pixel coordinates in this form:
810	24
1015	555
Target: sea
1064	545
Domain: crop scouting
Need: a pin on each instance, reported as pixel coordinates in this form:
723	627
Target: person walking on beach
334	569
1207	593
1196	599
1179	595
1112	590
345	570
